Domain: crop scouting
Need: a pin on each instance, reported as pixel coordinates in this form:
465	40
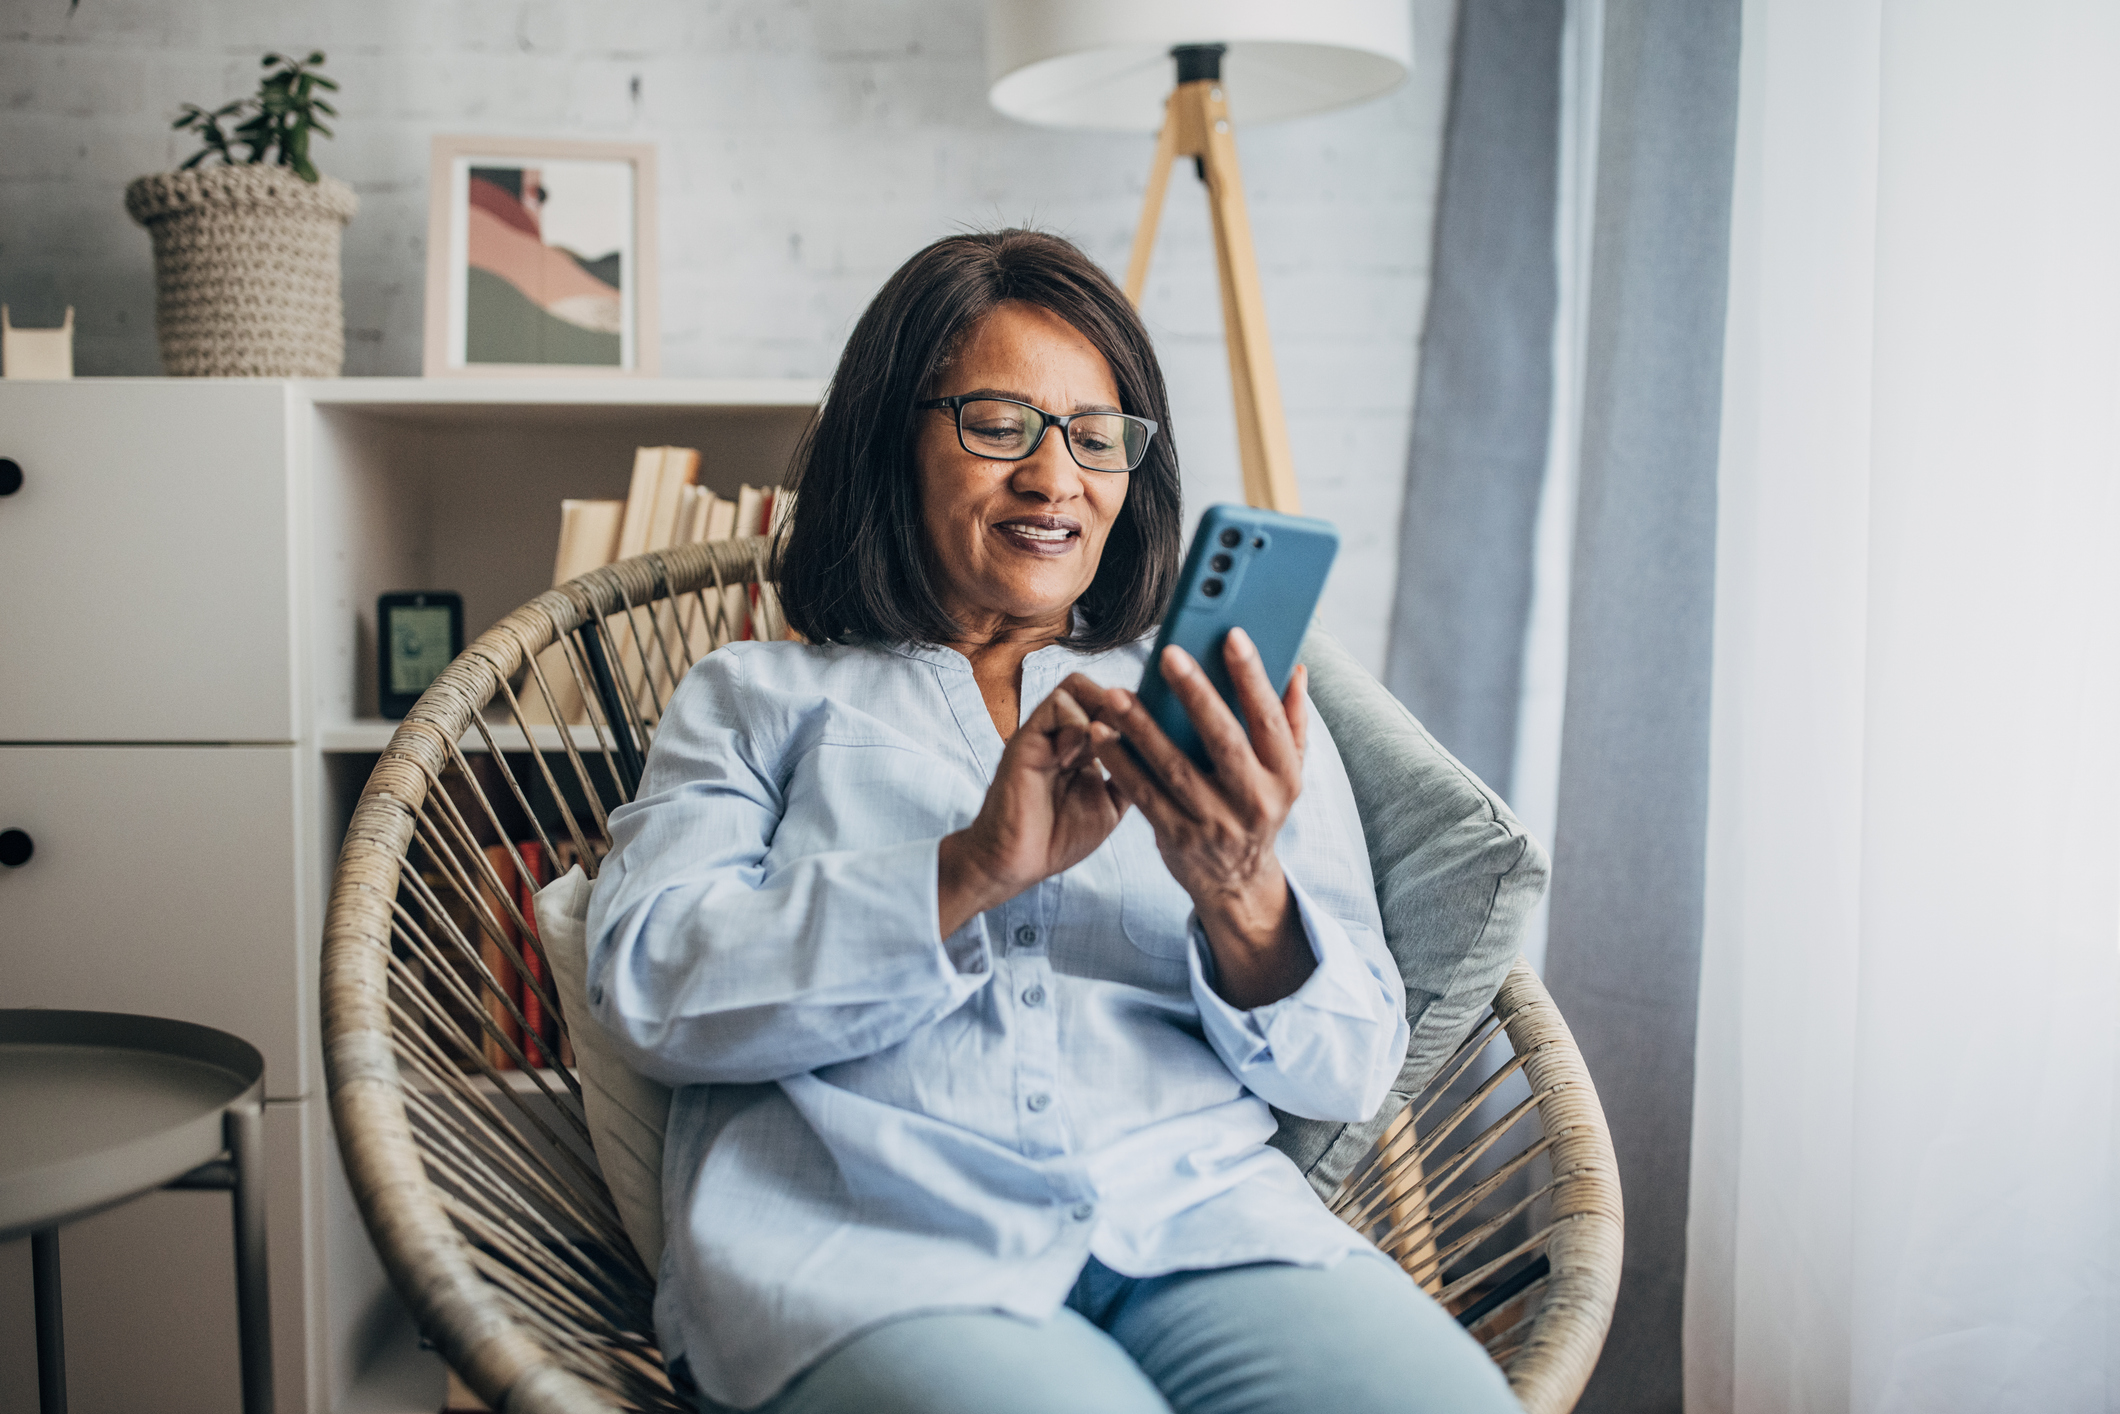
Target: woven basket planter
246	271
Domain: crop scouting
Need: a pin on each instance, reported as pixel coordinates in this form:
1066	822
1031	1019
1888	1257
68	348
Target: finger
1066	709
1173	771
1220	732
1087	691
1297	706
1042	720
1069	725
1265	713
1140	788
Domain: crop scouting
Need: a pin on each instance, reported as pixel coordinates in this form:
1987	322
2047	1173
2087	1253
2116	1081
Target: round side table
97	1108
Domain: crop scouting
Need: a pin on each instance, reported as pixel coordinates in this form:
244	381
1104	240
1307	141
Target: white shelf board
569	391
372	734
564	392
518	1081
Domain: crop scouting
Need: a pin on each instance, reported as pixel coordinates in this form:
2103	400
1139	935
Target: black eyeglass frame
955	407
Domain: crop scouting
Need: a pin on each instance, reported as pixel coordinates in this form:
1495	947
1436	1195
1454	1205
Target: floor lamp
1107	64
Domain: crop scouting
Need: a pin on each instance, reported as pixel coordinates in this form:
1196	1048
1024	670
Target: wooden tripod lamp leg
1262	429
1152	203
1196	124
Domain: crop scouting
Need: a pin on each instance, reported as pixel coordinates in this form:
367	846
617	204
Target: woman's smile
1049	536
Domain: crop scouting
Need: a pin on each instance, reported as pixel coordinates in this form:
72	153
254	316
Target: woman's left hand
1216	831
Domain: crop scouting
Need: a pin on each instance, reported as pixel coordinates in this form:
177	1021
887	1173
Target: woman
978	1014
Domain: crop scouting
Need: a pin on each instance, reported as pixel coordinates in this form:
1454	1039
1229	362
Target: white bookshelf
455	484
193	692
370	735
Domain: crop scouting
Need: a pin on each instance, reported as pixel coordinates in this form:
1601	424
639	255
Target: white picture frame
541	259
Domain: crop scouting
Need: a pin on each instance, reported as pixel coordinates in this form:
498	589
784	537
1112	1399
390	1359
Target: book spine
505	983
540	1029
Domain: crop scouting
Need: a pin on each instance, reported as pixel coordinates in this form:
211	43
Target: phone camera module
1220	564
1259	544
1212	588
1232	537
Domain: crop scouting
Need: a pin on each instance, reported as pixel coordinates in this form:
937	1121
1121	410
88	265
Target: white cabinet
187	714
146	563
161	875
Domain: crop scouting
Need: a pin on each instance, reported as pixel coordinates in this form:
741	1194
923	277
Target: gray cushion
1456	879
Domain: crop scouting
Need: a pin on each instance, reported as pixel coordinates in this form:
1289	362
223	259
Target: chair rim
427	1256
1584	1244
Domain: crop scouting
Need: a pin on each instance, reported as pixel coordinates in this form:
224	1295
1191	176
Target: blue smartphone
1256	570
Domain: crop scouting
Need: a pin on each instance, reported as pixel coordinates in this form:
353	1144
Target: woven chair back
464	1136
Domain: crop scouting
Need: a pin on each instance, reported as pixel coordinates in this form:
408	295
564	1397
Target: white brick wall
806	149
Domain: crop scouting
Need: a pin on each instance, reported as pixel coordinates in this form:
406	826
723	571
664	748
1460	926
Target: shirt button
1026	935
1039	1101
1034	996
1082	1212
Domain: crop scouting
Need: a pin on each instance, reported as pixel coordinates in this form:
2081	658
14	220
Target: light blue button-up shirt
875	1119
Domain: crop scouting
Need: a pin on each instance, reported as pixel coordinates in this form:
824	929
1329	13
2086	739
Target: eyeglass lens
1010	431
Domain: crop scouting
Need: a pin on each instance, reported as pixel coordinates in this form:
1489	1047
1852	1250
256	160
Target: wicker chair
480	1187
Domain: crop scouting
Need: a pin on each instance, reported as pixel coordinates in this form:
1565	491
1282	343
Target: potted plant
247	251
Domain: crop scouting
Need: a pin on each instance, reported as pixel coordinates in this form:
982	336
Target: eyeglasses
1004	430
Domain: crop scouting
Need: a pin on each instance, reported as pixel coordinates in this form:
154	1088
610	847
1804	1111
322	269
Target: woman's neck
996	654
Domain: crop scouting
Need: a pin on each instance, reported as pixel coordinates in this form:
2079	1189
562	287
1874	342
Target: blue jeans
1356	1338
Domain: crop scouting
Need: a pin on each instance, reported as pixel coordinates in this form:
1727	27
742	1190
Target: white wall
806	149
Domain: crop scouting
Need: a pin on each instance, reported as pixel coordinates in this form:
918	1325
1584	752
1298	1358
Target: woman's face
1016	543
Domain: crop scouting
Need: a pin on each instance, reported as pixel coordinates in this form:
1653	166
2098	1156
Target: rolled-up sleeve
1328	1050
707	964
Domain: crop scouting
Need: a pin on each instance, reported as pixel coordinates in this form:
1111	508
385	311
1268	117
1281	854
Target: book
640	502
751	507
588	540
459	1023
680	471
540	1029
495	956
720	525
660	475
780	507
676	492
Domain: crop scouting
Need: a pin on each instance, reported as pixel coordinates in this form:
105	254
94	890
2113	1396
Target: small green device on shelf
418	633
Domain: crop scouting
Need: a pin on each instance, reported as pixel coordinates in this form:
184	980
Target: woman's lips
1041	535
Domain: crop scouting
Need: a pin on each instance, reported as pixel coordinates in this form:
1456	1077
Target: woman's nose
1049	473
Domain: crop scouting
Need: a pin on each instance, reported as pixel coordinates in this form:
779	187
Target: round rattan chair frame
1496	1188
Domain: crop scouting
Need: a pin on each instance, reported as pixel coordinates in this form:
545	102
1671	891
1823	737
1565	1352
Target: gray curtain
1623	943
1484	401
1623	950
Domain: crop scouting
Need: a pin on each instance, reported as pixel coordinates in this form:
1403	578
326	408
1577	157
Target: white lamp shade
1106	63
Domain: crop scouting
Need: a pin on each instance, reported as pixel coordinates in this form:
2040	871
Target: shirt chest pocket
1153	909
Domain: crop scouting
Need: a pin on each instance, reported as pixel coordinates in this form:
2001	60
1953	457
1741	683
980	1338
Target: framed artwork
540	258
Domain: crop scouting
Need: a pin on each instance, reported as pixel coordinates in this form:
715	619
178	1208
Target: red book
540	1031
495	956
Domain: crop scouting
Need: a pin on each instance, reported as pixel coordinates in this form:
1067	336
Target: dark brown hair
854	567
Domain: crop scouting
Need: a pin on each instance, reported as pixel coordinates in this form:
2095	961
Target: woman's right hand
1049	806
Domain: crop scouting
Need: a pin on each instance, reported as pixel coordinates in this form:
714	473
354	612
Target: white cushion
627	1112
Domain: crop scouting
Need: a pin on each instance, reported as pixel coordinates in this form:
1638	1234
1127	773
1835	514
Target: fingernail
1177	660
1241	641
1122	699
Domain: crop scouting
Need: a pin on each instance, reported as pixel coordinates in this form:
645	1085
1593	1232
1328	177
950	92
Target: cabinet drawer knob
16	847
10	476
